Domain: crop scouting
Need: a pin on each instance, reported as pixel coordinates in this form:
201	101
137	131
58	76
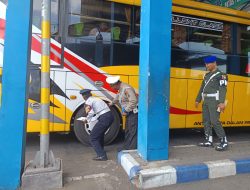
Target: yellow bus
92	39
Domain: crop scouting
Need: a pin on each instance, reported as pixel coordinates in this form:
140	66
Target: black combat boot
208	142
223	144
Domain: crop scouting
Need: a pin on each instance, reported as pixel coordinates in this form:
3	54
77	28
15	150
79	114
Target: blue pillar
155	48
14	92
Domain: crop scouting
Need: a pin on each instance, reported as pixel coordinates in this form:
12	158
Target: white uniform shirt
98	106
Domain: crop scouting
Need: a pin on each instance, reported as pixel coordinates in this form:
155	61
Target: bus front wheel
82	131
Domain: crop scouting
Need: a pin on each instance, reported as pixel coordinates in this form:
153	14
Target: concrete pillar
14	92
155	48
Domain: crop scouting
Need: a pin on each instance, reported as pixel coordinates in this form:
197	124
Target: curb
129	164
169	175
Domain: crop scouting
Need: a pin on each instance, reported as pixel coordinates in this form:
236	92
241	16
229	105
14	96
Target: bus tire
82	133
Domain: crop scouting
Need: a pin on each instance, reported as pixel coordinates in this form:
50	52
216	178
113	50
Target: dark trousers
98	132
130	141
211	118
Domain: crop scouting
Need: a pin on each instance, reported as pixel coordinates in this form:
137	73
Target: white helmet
112	79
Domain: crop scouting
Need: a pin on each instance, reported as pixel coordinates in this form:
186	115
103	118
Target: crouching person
95	107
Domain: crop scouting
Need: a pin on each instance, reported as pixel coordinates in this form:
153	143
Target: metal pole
45	171
45	84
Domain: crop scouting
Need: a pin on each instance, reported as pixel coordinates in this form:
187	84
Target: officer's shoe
101	158
223	145
206	144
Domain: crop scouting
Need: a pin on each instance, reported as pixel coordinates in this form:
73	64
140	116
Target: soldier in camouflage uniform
128	101
213	92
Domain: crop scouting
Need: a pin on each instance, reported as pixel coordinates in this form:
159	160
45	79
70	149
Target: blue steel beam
13	110
153	131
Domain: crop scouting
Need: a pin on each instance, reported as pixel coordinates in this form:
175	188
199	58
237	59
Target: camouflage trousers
211	118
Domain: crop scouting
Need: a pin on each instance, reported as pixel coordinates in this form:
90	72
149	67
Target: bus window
191	41
135	33
54	16
179	54
36	21
88	30
137	14
205	40
179	35
124	50
194	38
88	18
121	22
55	20
244	40
226	38
56	59
244	50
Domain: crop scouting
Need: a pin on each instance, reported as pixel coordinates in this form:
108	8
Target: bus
93	39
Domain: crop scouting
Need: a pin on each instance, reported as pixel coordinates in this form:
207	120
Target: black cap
85	91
